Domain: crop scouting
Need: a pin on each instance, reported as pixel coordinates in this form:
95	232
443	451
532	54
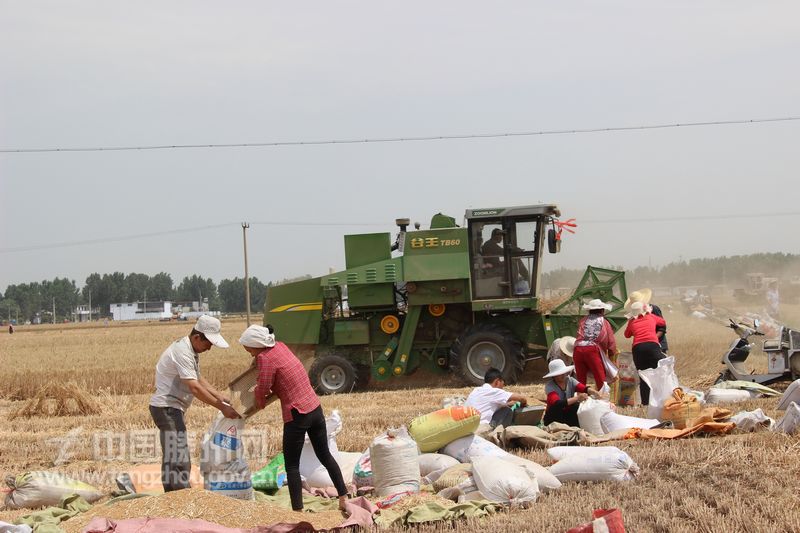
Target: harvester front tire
332	374
483	346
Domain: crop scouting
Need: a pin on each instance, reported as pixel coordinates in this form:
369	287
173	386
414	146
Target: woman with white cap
594	340
564	394
642	326
281	373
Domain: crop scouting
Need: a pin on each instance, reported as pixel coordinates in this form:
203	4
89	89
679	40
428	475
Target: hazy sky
105	73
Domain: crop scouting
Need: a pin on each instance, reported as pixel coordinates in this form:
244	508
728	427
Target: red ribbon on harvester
566	225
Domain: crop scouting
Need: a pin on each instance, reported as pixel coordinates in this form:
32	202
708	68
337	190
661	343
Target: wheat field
745	482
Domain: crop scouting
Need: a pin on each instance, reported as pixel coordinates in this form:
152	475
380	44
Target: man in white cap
564	394
178	381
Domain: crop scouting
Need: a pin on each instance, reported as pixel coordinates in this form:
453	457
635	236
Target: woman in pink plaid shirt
281	373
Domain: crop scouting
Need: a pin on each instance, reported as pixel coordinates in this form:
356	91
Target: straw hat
557	367
567	345
642	295
595	304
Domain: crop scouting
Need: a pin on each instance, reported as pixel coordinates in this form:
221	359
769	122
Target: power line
689	218
404	139
360	224
104	240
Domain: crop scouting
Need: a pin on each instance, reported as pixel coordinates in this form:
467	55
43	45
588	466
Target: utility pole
54	309
90	306
145	304
246	225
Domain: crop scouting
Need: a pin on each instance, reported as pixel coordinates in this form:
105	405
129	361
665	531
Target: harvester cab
447	299
505	248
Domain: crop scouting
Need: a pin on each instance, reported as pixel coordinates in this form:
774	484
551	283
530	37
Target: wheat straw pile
55	399
205	505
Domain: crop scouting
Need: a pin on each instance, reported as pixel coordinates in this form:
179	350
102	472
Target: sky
109	73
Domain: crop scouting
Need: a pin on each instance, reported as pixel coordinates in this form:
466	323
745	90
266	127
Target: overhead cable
420	138
122	238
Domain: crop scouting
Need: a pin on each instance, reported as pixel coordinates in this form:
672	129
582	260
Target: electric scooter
783	355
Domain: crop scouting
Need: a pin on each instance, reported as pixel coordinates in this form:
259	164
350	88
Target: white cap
558	367
638	309
257	337
210	327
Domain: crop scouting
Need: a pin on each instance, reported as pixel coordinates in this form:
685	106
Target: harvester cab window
503	256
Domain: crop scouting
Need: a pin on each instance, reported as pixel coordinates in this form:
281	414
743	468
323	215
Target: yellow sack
681	409
439	428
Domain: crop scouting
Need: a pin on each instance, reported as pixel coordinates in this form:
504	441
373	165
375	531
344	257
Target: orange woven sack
682	409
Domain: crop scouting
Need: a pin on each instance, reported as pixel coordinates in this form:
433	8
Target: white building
82	313
137	311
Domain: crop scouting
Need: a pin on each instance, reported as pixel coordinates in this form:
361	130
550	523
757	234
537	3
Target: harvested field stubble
744	482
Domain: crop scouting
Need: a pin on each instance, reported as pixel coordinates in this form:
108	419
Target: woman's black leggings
646	355
294	434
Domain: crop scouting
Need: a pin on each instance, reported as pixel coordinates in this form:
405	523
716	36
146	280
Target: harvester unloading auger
460	299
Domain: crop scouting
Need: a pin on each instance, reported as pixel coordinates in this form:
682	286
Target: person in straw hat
178	382
595	340
562	348
564	394
281	373
645	295
642	326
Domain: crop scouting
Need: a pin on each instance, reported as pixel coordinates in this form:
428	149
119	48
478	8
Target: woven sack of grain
395	465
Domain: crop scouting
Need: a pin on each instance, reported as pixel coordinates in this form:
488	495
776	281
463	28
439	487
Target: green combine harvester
447	299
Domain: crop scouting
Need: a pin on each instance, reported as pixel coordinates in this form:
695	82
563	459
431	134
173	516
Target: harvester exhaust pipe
402	223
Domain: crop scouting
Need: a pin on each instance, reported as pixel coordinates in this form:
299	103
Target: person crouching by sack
642	326
281	373
564	394
595	339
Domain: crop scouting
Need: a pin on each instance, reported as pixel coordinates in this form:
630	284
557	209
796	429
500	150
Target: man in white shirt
178	381
491	400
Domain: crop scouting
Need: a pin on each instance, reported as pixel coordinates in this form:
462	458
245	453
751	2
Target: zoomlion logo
486	212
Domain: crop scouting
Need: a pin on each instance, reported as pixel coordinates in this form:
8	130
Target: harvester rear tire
332	374
485	345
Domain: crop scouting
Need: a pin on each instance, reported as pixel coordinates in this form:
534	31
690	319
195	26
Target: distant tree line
26	300
730	271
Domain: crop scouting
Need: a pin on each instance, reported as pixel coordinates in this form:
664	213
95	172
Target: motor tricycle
783	355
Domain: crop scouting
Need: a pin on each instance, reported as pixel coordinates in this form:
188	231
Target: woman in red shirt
595	338
647	352
281	373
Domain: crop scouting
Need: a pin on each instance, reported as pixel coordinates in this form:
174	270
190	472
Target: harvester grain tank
446	298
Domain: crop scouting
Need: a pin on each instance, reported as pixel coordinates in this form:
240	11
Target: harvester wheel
483	346
332	374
